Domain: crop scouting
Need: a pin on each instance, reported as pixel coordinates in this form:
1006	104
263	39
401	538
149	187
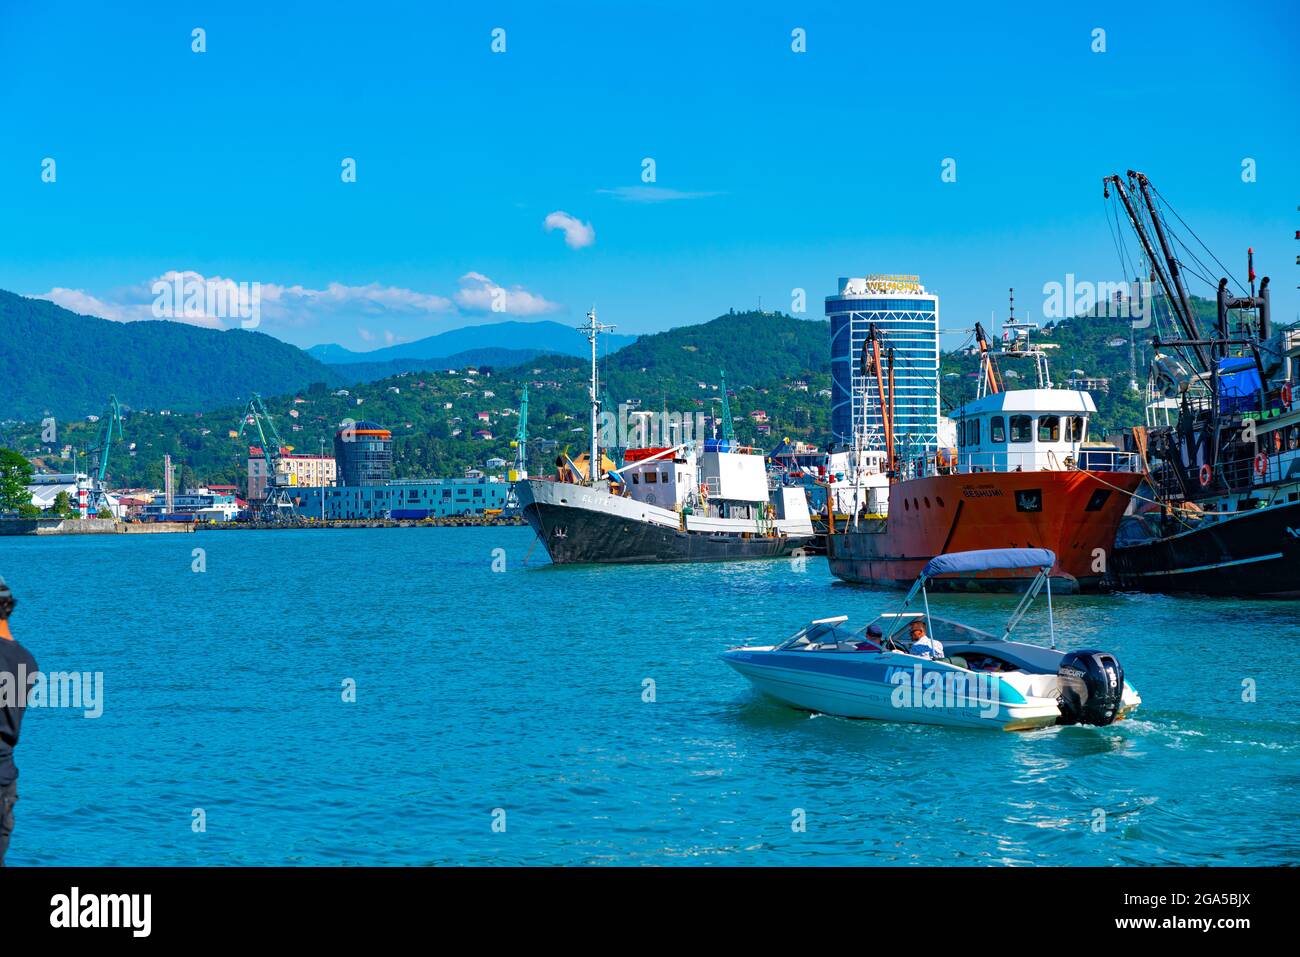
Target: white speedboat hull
894	686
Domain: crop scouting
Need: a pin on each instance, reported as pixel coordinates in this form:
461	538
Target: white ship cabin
719	479
1027	430
659	476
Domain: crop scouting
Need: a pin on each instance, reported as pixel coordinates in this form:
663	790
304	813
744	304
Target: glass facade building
907	318
364	454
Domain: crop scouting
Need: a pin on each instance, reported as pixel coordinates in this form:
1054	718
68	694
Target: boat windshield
896	626
819	636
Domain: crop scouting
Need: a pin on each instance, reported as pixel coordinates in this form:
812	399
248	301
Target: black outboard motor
1091	683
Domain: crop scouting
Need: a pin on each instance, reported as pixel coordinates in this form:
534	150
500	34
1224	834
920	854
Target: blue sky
775	170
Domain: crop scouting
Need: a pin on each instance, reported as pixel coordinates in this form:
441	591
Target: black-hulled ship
698	500
1220	513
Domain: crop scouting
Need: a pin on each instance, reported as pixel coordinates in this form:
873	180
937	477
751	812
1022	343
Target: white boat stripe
1206	568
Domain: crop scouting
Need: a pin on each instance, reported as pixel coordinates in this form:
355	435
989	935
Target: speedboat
984	680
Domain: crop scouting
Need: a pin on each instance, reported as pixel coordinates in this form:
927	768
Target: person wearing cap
15	661
873	639
923	646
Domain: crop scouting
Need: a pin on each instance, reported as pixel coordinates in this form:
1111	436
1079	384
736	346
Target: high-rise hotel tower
907	318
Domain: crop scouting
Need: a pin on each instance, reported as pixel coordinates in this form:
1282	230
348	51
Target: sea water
445	696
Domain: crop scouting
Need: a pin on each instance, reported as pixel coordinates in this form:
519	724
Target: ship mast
592	330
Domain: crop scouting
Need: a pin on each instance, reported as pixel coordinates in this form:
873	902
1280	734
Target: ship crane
870	366
278	505
110	431
989	382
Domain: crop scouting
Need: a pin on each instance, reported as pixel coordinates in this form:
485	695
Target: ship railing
1090	460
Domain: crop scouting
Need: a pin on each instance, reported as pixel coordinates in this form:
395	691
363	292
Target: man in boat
923	646
17	671
873	639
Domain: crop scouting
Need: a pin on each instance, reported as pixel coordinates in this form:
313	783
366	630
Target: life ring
1261	464
1286	395
1207	474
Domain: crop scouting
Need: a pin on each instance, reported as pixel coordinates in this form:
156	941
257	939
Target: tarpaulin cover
988	559
1238	385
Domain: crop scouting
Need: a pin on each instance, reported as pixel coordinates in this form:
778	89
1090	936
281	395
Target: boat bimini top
990	559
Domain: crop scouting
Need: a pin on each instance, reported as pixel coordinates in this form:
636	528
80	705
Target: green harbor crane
521	438
728	427
278	505
110	431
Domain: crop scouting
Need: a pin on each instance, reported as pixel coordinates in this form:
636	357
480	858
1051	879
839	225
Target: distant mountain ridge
535	337
370	371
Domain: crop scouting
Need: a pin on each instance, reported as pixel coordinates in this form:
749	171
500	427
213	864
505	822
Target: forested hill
753	347
56	362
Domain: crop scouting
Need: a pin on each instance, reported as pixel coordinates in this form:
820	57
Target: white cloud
371	295
577	234
86	304
478	293
652	194
279	305
374	313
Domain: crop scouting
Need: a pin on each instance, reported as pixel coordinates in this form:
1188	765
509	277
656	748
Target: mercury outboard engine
1091	685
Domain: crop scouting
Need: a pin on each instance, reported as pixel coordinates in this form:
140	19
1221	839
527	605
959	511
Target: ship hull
1073	513
1254	554
578	525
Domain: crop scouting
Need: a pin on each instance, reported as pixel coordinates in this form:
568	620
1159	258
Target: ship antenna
592	330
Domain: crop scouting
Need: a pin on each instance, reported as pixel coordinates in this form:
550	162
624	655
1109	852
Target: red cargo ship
1023	475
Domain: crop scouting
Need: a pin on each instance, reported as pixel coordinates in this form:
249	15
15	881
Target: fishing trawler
1222	441
1024	474
705	499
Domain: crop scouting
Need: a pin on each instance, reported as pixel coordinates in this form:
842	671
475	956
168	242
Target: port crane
277	506
110	431
728	427
520	444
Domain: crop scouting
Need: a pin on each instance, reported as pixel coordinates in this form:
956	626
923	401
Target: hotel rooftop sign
882	284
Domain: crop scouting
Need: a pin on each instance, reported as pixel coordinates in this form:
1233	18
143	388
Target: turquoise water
521	690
